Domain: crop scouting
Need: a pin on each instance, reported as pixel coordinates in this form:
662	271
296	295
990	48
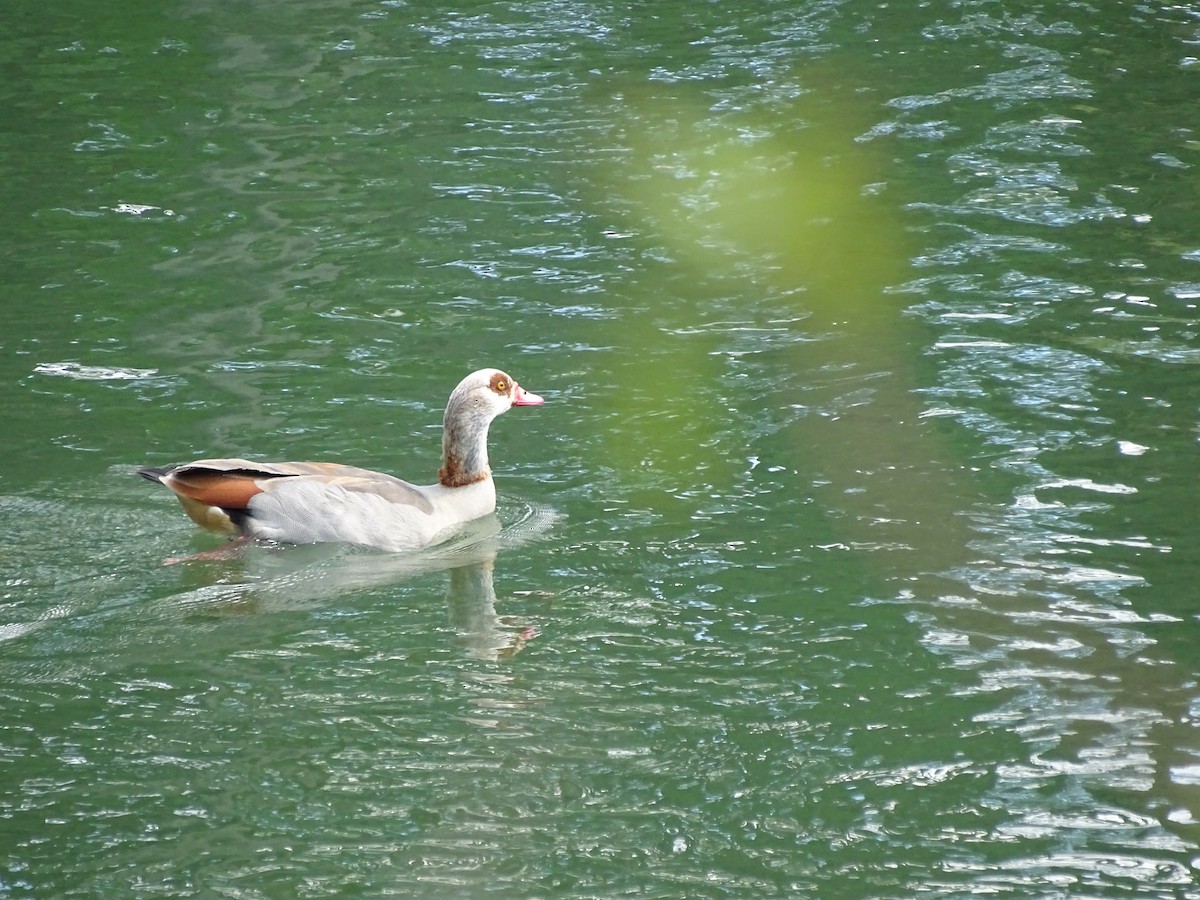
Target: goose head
477	400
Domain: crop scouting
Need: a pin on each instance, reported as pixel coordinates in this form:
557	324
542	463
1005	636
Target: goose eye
500	386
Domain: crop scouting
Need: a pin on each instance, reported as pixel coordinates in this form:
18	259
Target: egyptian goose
307	502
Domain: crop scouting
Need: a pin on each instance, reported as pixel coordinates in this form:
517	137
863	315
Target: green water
851	555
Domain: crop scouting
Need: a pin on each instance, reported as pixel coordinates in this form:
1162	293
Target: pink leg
232	550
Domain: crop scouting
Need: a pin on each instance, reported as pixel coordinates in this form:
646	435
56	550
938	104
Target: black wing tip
156	474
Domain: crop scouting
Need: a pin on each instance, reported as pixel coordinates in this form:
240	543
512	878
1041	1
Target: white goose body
307	502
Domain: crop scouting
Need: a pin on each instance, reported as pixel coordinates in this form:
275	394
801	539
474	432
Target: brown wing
225	490
232	483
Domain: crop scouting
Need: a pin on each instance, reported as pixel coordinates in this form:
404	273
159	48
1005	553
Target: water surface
850	556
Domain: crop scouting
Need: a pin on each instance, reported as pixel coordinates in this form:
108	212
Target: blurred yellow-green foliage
790	208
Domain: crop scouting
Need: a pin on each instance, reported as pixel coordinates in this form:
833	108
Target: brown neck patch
453	475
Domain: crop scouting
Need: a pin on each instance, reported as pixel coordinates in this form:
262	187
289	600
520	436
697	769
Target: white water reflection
272	578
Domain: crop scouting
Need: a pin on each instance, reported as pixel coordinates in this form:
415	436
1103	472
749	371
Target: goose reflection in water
479	630
265	579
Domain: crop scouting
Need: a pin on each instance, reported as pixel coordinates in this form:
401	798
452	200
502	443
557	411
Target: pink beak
522	397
